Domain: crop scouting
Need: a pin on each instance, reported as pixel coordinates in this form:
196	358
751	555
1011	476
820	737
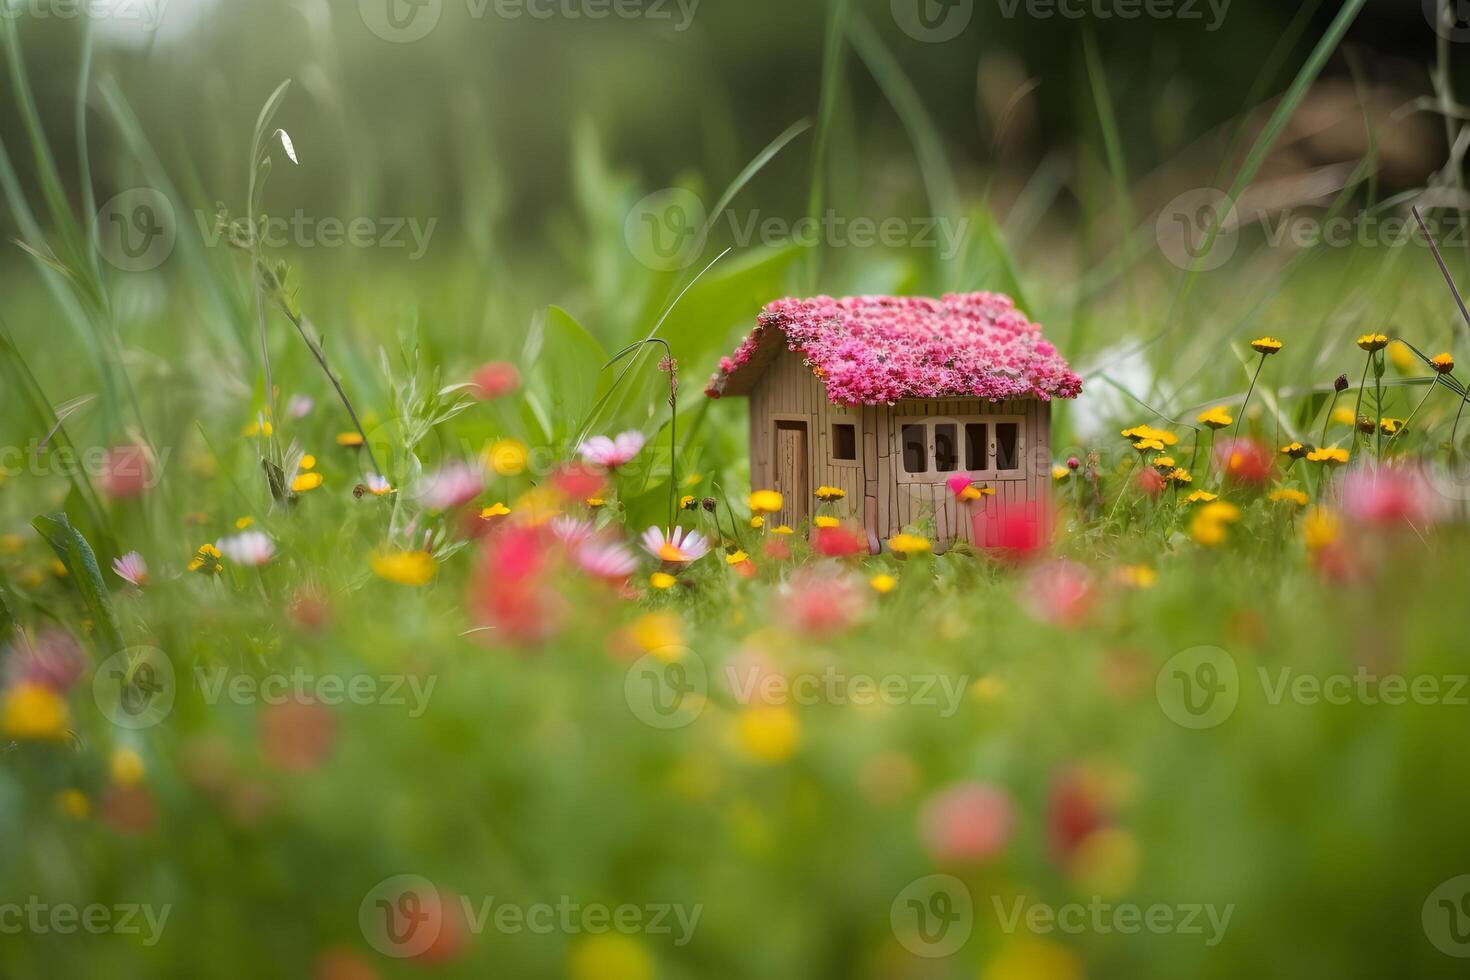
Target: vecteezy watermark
137	230
933	917
1199	228
932	21
135	688
35	459
38	917
668	688
1101	917
145	13
406	21
1199	687
404	915
408	691
1449	18
1446	917
304	231
666	230
1211	13
753	685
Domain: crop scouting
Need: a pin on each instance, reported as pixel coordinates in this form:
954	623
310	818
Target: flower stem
1248	392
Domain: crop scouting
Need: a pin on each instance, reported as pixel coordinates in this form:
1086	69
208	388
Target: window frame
933	475
857	441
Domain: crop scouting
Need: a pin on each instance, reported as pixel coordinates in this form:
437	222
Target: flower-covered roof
876	350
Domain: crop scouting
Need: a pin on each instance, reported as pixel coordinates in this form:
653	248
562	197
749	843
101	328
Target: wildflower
1200	497
606	560
1295	450
11	544
126	471
349	440
1288	495
1147	445
757	522
308	463
662	580
612	956
687	502
1060	472
300	406
1149	433
776	549
53	660
783	529
250	548
1225	513
506	457
709	504
1366	425
883	584
1390	496
595	503
838	542
830	494
826	521
1059	592
1178	477
306	482
1341	384
452	485
1343	416
1209	524
377	485
1392	427
1331	455
1073	463
611	453
1320	529
1138	576
132	569
577	481
404	567
1164	464
259	427
495	510
909	544
1401	356
1215	418
1372	342
1150	482
125	766
571	531
967	822
495	380
770	733
1443	363
1244	461
74	803
675	547
1266	345
206	560
33	711
736	557
241	523
766	501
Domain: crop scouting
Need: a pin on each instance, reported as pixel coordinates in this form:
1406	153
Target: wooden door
793	469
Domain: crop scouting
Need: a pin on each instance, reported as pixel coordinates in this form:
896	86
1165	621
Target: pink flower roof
876	350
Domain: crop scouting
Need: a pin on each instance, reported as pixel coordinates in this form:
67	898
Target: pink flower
496	380
1150	482
967	822
606	560
1389	496
577	481
249	548
131	568
1244	461
959	483
126	471
53	660
300	406
819	600
571	531
675	547
611	453
838	542
1059	592
452	485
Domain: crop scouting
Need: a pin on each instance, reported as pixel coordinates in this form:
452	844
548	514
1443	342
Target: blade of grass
832	49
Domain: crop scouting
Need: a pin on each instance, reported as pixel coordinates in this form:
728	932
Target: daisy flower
1215	418
675	547
250	548
451	486
611	453
571	531
131	568
1372	342
1266	345
606	560
1443	363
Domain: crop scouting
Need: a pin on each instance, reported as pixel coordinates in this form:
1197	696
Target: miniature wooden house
895	401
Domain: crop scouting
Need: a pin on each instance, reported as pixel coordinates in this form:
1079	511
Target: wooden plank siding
876	497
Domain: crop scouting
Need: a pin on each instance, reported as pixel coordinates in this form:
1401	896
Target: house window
844	441
915	449
977	445
1007	446
946	452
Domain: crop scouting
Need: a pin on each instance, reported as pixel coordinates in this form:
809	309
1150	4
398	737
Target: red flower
496	380
577	481
777	550
126	471
1244	461
967	822
1059	592
1151	482
1075	810
297	735
838	542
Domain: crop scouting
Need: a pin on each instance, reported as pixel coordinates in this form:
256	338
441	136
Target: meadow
344	632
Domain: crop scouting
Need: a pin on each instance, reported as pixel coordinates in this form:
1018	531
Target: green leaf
8	620
567	372
80	561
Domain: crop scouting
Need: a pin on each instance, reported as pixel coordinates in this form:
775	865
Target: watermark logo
933	21
933	917
401	21
666	230
38	917
135	688
830	685
410	692
1449	18
1211	13
401	916
667	689
1199	688
147	14
1184	225
1101	917
137	230
1446	917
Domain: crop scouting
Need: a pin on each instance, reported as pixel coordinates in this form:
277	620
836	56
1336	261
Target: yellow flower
1295	450
1032	958
1443	363
1401	356
766	501
769	734
1144	445
883	584
493	511
662	580
1221	511
909	544
243	522
687	502
757	522
825	521
1344	416
404	567
74	803
1215	418
596	503
34	711
507	457
10	544
829	494
659	633
1208	526
1392	427
736	557
1060	472
1331	455
610	956
1320	528
693	480
1371	342
308	462
258	428
782	529
1178	477
1149	433
1164	464
306	482
1266	345
206	560
58	569
1200	497
1138	576
125	766
1289	495
349	440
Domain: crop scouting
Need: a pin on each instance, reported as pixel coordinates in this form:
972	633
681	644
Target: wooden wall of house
875	496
